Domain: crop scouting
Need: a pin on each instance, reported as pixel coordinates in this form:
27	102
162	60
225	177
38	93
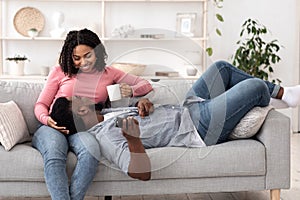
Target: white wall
281	18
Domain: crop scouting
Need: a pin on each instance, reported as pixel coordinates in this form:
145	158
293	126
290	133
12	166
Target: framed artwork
186	24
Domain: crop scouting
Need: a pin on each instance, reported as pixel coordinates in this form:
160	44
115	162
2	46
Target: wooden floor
292	194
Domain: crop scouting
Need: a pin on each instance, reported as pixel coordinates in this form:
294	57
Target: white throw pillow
250	123
13	128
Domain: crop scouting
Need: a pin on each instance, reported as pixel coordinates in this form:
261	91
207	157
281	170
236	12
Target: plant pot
16	68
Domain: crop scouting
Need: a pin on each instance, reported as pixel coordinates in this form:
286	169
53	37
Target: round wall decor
27	18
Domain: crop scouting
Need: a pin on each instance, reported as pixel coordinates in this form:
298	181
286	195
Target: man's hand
145	107
130	129
139	165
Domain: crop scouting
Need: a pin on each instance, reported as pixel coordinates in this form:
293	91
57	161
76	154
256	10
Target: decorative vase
32	33
45	70
16	68
191	70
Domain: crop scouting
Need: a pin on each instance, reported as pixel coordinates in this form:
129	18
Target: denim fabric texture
228	94
54	147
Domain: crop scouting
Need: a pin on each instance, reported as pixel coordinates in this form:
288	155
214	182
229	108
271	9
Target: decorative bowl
131	68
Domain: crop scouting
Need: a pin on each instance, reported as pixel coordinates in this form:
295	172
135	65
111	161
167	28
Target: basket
130	68
27	18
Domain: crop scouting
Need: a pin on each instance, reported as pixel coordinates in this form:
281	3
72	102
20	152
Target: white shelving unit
104	16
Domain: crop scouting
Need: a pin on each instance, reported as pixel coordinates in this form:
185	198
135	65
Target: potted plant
16	64
32	33
219	17
254	55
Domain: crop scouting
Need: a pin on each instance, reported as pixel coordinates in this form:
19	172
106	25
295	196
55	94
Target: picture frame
185	25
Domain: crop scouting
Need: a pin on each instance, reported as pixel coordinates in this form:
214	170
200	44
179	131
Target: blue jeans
54	147
229	94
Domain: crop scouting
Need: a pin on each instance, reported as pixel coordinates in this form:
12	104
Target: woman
82	71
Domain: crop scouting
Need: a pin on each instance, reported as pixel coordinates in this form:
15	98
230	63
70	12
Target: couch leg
275	194
108	198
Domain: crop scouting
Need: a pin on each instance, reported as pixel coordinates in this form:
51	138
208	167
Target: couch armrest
275	134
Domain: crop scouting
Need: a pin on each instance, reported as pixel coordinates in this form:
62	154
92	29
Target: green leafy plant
254	55
218	4
17	58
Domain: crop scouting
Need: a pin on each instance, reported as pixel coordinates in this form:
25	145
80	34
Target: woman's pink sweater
91	85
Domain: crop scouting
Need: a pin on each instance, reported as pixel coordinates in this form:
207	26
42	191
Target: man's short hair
63	113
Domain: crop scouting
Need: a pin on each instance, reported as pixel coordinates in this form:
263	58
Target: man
126	133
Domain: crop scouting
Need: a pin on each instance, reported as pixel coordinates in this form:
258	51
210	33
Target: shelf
127	0
155	0
27	78
39	78
105	18
157	78
71	0
28	38
151	39
107	39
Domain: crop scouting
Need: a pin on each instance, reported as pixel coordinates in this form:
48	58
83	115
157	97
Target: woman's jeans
54	147
228	94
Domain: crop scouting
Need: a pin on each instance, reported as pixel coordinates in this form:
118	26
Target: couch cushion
13	128
21	163
237	158
172	92
25	163
25	95
250	123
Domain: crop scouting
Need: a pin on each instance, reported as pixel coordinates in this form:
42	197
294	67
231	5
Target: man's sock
291	95
278	103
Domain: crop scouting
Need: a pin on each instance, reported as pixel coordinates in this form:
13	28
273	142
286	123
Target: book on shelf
167	73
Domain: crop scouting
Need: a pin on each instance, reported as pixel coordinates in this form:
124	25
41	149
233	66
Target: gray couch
260	163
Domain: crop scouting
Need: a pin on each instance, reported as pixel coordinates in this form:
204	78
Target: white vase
16	68
45	70
191	70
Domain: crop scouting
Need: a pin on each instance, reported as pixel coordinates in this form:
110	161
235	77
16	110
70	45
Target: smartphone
119	122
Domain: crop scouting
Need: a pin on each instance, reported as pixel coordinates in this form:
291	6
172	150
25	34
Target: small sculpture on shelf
58	19
123	31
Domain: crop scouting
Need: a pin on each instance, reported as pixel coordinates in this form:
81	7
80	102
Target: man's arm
139	165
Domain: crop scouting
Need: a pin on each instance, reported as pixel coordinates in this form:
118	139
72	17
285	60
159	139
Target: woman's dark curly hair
75	38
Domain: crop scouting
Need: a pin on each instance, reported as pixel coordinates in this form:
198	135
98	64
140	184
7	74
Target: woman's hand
145	107
52	124
126	90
